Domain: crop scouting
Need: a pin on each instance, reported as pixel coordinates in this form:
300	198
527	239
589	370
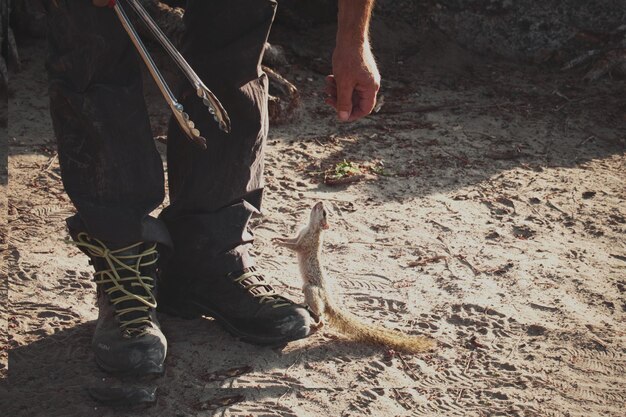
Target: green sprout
345	169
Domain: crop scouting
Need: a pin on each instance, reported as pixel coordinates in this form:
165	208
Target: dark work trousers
110	167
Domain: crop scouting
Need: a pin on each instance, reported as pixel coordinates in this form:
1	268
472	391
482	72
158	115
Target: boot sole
128	396
147	370
201	310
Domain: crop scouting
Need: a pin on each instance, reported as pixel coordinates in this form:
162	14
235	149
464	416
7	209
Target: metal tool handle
208	98
177	109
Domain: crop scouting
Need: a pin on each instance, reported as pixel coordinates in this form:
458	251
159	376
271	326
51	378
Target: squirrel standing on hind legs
308	245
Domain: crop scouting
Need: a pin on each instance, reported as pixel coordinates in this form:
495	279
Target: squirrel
308	244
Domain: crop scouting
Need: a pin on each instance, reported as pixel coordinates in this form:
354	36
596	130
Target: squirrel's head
319	216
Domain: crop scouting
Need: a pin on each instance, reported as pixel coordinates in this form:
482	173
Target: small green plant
346	172
345	169
378	168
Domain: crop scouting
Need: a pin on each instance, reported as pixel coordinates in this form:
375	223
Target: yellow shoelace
97	248
268	296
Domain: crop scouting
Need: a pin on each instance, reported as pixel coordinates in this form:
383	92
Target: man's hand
352	88
354	84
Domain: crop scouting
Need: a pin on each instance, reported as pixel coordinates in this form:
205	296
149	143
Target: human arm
355	81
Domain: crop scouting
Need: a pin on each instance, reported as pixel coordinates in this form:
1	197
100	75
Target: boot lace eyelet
255	284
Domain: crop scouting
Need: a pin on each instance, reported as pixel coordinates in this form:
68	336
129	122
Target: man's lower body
114	176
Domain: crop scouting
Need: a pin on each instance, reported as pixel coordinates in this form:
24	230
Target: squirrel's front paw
316	327
285	242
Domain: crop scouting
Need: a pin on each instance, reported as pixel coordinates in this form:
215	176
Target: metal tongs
208	98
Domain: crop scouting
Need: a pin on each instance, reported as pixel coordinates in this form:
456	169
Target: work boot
243	302
128	339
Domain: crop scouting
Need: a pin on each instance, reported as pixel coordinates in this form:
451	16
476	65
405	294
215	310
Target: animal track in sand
76	280
268	380
262	409
589	392
52	213
366	284
609	362
378	303
471	318
371	371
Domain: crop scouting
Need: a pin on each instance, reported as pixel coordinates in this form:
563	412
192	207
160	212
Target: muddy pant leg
213	193
109	164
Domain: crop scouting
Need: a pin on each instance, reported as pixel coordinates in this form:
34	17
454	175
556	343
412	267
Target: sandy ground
497	226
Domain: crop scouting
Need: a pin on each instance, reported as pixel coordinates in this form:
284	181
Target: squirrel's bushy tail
350	326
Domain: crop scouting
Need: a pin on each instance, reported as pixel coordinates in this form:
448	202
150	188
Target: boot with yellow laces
128	339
